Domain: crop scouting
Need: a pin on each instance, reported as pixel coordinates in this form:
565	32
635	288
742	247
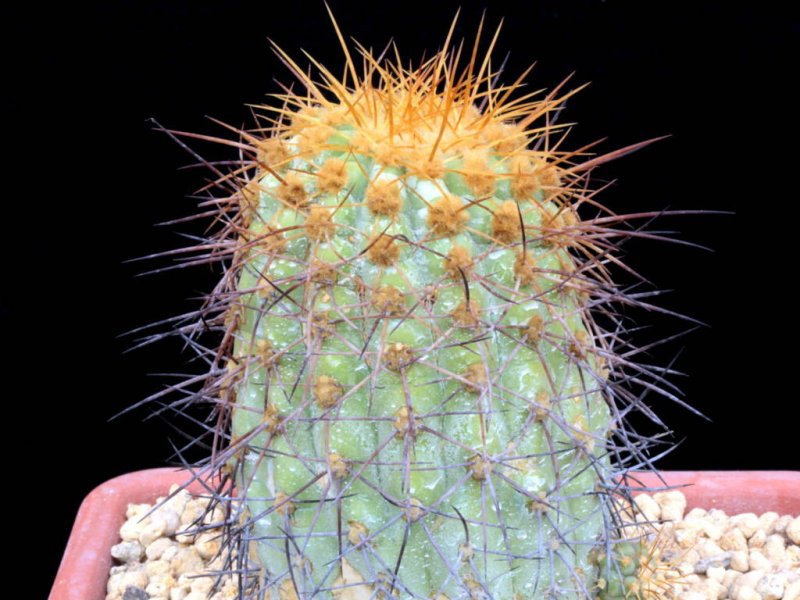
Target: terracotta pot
84	569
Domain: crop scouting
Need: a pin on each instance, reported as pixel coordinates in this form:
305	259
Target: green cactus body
417	388
413	398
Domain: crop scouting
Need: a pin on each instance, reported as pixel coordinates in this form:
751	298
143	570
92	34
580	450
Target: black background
88	178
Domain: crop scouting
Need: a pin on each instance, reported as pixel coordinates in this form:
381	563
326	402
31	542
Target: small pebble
747	523
160	587
157	568
686	535
186	535
718	516
207	544
730	577
747	580
193	513
150	529
740	561
178	500
227	593
715	589
673	504
202	584
746	593
129	531
171	552
688	562
157	548
781	524
792	591
649	507
775	548
137	511
715	573
758	539
771	586
710	549
135	593
127	552
136	578
767	520
733	539
188	560
172	521
712	531
114	585
793	531
759	561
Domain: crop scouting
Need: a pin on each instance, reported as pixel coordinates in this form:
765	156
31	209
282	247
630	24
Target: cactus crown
412	394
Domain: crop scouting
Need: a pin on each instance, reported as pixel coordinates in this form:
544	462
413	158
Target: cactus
423	381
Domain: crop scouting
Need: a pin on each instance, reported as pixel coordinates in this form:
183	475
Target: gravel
707	554
172	551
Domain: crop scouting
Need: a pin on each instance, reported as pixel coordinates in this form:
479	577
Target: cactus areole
419	390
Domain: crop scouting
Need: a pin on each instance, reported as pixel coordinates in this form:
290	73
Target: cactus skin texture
414	397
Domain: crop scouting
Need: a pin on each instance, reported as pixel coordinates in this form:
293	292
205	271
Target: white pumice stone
740	561
157	548
771	587
759	561
651	511
150	530
746	593
747	523
792	591
793	531
767	520
127	552
673	505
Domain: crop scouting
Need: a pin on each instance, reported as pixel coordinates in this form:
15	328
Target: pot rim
83	573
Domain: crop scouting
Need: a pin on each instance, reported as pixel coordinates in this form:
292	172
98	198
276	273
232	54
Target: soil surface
171	551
